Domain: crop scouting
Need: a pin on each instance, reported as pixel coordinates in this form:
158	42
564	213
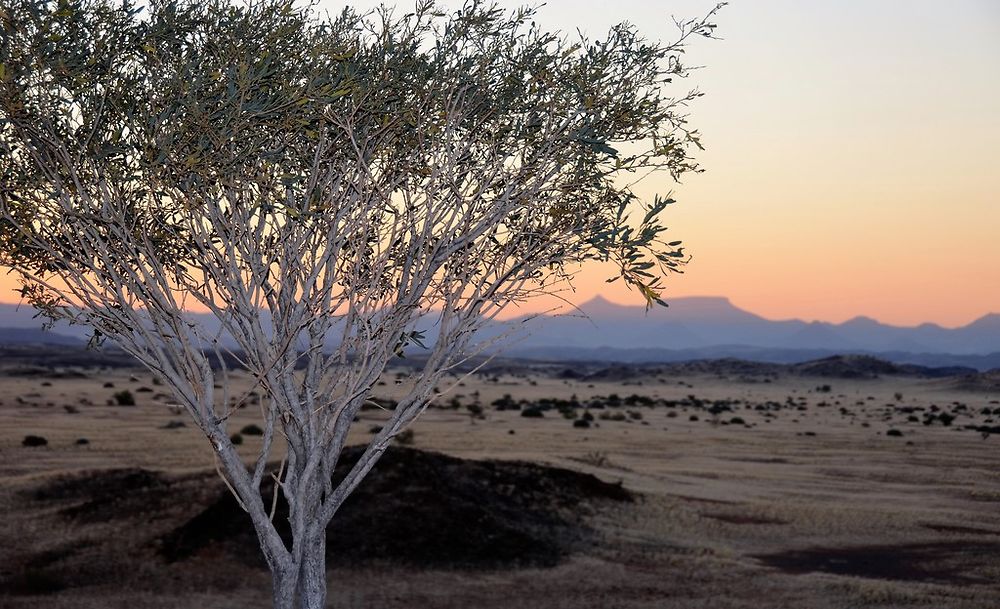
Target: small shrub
109	385
581	423
894	433
532	412
32	441
70	409
124	398
236	439
82	442
252	430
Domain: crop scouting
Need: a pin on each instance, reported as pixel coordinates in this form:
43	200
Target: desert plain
715	485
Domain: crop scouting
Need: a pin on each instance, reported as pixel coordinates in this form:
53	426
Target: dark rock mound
429	510
723	367
983	381
614	374
847	367
937	372
104	496
932	562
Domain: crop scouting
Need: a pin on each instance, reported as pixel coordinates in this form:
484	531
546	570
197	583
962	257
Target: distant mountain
700	323
32	336
697	328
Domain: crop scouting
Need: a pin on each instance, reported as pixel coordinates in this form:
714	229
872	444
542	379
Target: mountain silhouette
691	325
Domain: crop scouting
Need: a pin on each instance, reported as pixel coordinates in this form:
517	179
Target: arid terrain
838	484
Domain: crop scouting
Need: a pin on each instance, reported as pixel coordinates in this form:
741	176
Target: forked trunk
304	586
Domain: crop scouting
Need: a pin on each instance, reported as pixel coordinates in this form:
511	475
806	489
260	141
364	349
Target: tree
320	185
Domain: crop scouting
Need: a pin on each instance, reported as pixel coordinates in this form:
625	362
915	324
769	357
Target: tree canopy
316	181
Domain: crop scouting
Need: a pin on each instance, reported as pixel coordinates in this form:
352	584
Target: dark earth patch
933	562
427	509
693	499
743	519
950	528
103	496
415	509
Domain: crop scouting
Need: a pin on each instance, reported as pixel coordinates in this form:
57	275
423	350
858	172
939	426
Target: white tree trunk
303	586
312	572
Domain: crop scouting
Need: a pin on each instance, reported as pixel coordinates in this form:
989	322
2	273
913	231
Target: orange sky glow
852	163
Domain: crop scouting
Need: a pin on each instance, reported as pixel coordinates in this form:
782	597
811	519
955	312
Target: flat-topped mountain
703	322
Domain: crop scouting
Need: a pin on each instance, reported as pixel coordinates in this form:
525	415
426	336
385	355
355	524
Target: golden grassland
792	496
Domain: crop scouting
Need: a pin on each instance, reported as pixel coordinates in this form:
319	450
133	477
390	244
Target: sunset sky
853	156
852	162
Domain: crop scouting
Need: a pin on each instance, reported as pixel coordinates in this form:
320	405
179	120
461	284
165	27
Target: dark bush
34	441
252	430
894	433
581	423
532	412
236	439
124	398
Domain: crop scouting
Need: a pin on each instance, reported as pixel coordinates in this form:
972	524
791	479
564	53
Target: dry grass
715	495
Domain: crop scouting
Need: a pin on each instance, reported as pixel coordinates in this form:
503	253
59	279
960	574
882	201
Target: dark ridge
947	562
742	519
960	530
693	499
847	367
427	509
